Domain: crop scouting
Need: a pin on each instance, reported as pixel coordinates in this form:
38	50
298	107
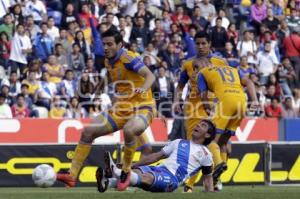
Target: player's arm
208	183
207	171
251	91
149	79
149	159
183	79
203	90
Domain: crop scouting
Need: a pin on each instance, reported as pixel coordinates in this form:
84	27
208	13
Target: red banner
68	131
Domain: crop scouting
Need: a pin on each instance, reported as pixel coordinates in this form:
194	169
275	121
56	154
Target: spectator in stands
43	44
5	48
293	20
86	90
19	109
114	20
286	63
17	14
199	20
291	44
208	10
5	111
274	47
270	21
258	14
181	18
244	67
37	9
61	56
68	16
46	91
163	90
267	63
5	91
33	84
52	31
20	48
274	109
86	30
285	75
277	9
143	13
218	36
166	21
230	54
85	14
247	47
233	35
296	95
63	40
57	111
55	70
28	99
225	20
281	33
13	83
68	87
109	21
140	33
8	25
95	108
288	110
74	109
170	57
33	29
271	93
76	60
273	81
84	45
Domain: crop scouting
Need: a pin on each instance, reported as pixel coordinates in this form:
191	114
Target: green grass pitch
229	192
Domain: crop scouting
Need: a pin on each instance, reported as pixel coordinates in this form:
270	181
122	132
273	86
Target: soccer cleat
187	189
124	181
218	186
66	178
109	165
102	181
219	169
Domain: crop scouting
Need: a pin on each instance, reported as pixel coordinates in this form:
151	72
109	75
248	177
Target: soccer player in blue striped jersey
183	158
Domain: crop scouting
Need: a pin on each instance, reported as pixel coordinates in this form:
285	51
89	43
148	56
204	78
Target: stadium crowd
52	58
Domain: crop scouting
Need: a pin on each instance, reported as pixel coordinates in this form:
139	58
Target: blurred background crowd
51	55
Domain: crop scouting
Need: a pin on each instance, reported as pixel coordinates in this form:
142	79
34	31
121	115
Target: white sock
134	177
112	182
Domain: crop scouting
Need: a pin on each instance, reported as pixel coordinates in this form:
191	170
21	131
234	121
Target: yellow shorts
115	120
192	118
228	115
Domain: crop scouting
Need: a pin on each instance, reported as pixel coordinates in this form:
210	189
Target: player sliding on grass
133	110
184	158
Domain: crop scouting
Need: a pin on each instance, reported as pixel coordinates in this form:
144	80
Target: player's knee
131	129
92	132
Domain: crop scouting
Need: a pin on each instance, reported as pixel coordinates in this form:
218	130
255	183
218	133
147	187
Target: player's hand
140	90
254	106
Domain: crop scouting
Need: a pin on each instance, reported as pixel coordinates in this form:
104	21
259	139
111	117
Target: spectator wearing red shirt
291	45
180	18
20	110
5	47
274	109
85	14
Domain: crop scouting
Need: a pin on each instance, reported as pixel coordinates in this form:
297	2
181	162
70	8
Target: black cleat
187	189
102	182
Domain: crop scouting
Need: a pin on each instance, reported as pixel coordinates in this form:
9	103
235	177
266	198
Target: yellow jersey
189	73
223	81
32	86
123	74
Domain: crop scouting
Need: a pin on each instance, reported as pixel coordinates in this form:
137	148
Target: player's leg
100	126
143	145
134	127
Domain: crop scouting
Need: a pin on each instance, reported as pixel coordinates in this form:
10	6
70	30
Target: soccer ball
44	176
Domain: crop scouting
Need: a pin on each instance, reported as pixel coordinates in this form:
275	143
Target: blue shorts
164	180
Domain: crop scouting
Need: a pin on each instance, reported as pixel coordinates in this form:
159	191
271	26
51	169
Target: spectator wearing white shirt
37	9
20	47
208	10
225	20
47	90
247	47
68	87
52	31
266	63
13	83
5	111
33	29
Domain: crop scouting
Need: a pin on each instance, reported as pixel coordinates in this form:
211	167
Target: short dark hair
211	131
24	85
20	95
113	33
202	34
219	18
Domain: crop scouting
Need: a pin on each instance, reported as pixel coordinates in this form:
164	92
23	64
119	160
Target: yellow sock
190	182
224	156
214	148
129	151
81	153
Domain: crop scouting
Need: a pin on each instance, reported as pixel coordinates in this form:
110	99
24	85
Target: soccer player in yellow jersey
227	85
132	110
194	110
